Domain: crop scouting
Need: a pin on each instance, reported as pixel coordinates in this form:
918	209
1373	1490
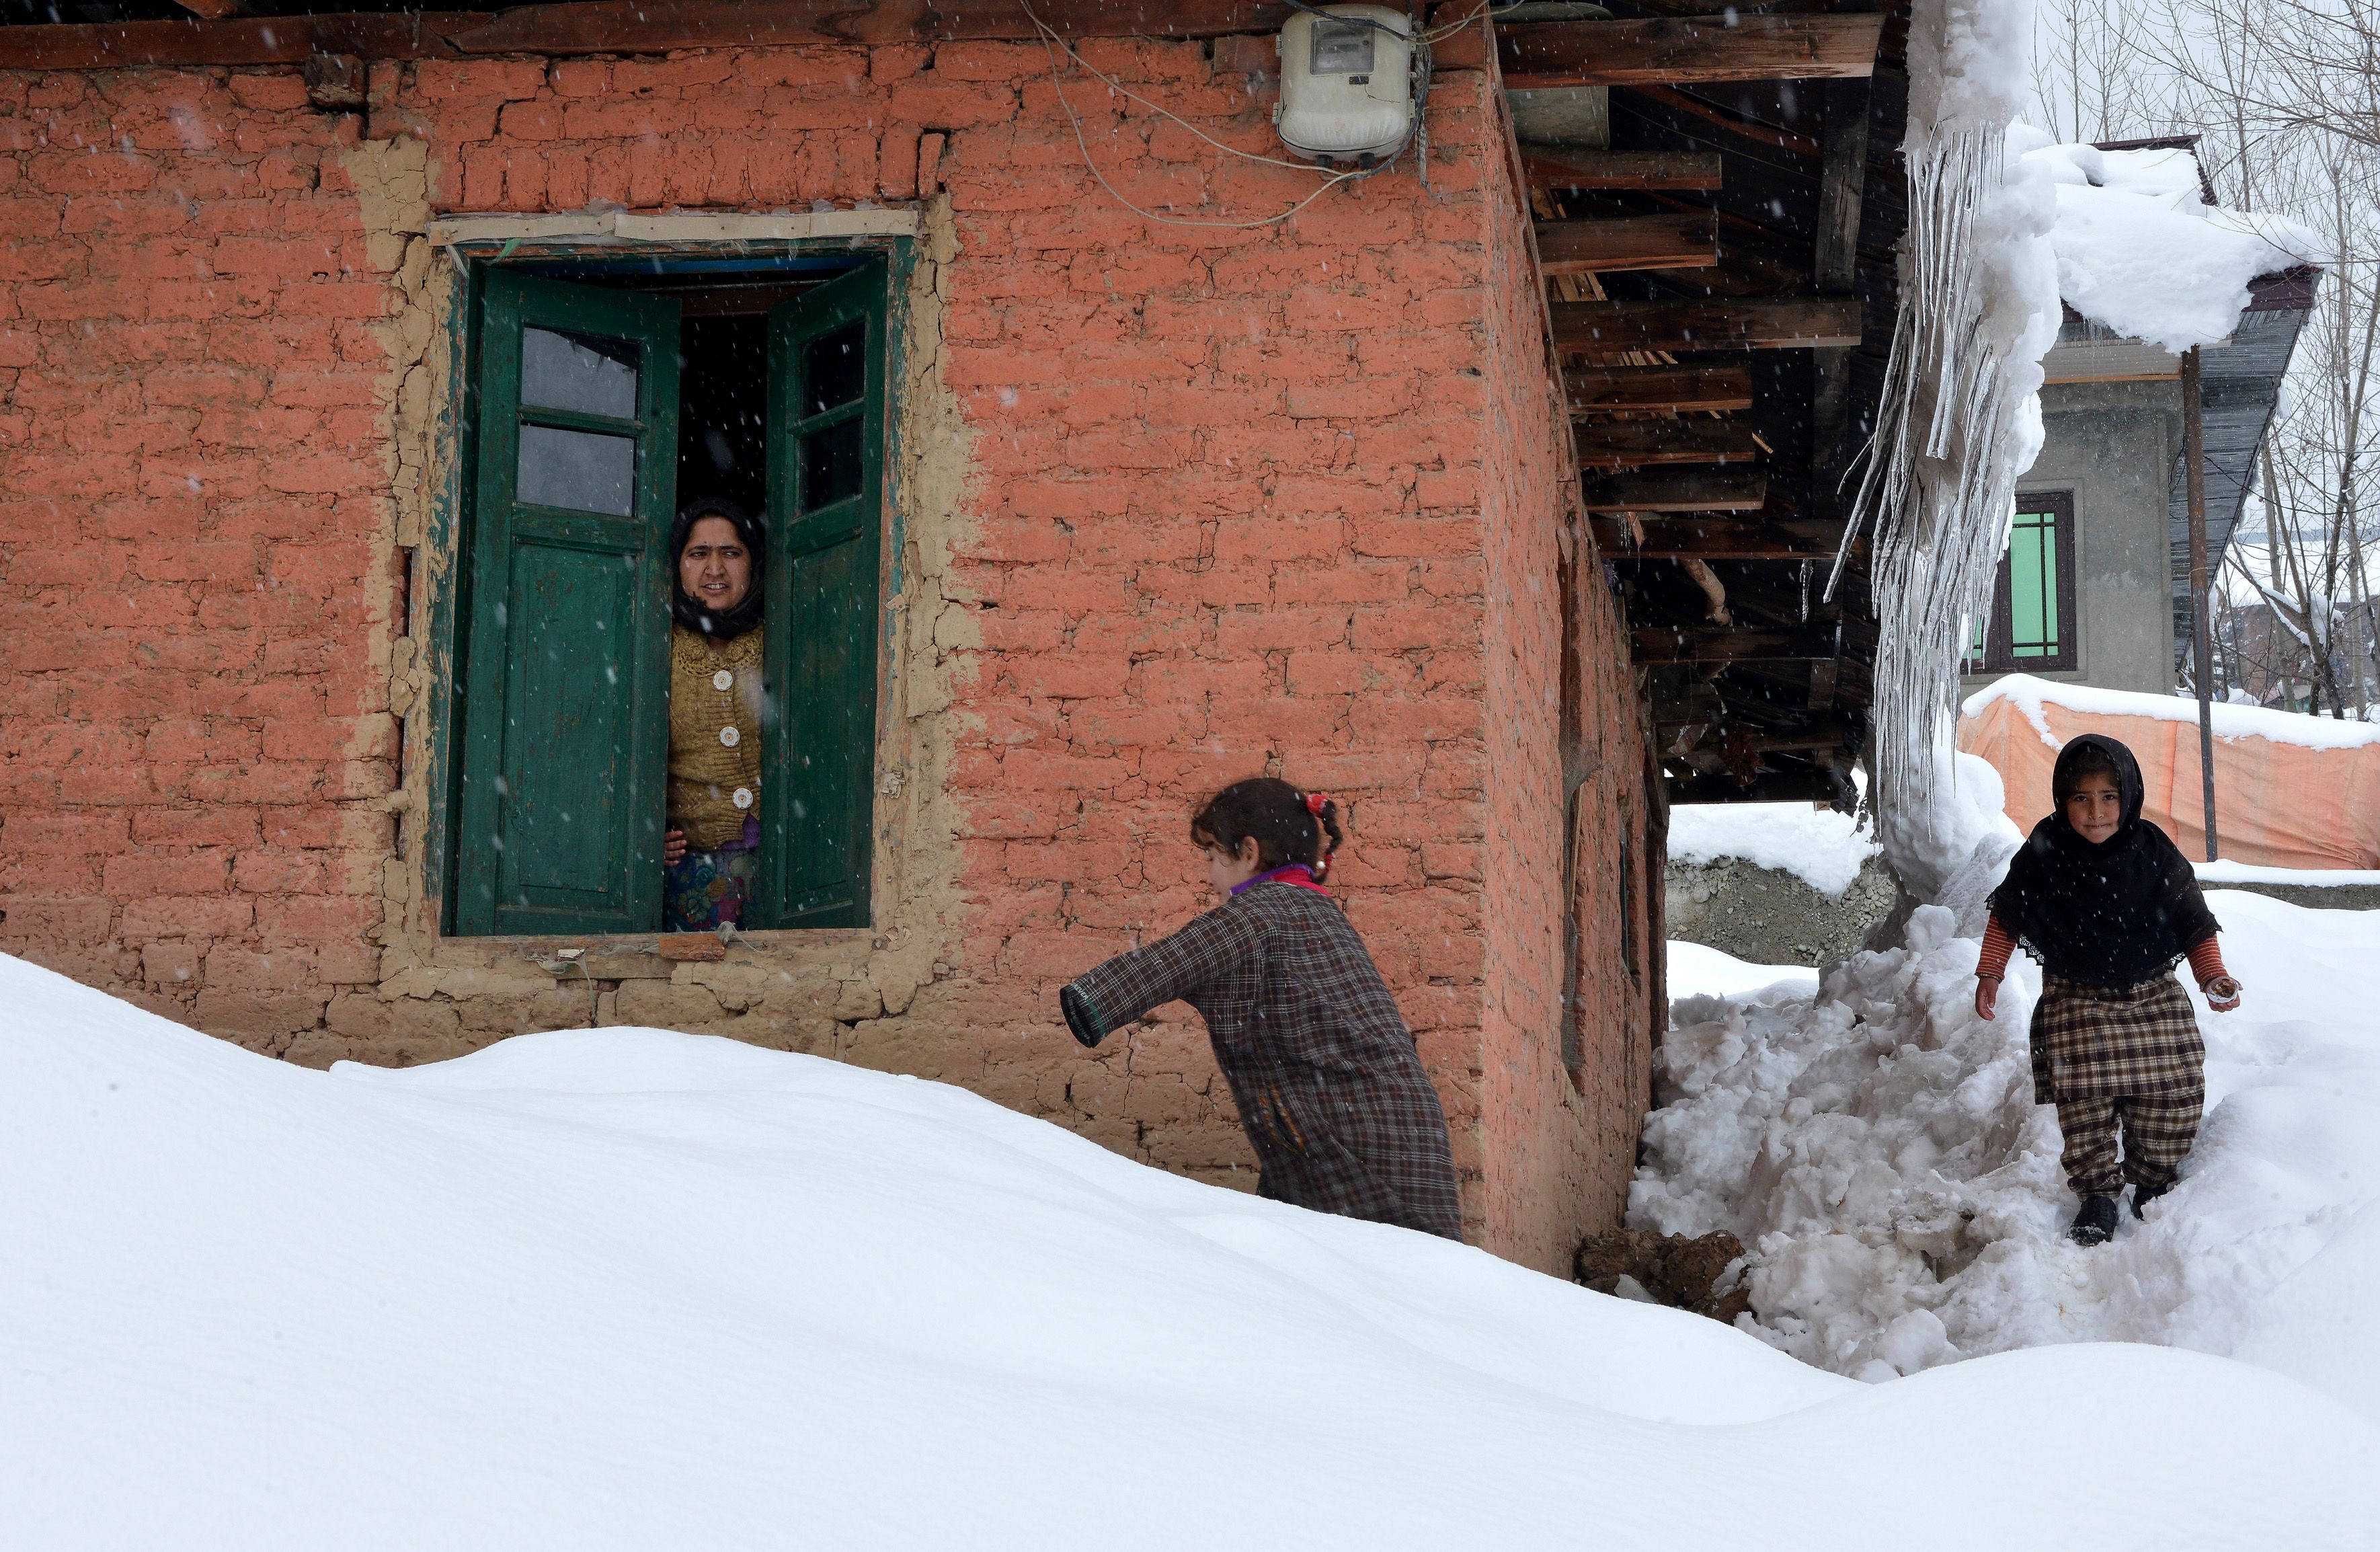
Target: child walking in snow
2109	905
1325	1072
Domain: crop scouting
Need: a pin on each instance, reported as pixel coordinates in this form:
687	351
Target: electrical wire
1051	43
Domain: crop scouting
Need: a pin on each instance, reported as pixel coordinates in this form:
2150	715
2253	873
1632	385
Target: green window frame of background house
2033	625
562	732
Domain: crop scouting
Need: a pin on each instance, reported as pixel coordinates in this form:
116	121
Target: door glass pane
834	369
584	470
831	463
578	372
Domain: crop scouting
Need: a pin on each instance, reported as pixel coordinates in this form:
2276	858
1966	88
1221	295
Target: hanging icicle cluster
1958	420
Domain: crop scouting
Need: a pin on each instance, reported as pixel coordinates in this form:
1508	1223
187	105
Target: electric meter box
1346	83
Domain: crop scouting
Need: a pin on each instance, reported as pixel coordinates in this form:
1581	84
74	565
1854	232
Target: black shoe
2144	1195
2095	1222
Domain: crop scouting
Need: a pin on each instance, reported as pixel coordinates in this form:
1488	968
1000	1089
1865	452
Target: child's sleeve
2206	960
1123	988
1998	946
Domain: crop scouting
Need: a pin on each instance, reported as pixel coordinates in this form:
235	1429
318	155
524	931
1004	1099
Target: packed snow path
1878	1145
626	1288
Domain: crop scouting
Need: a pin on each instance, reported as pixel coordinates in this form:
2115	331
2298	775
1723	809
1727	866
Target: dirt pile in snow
1704	1274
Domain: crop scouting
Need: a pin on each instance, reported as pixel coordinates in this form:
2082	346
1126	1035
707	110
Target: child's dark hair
2089	760
1288	825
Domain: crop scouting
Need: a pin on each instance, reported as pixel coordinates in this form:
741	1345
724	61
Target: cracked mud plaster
868	996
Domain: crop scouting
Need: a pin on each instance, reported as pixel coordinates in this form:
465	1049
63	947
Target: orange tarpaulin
2281	798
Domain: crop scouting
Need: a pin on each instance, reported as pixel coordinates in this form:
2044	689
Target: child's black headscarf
2111	914
684	608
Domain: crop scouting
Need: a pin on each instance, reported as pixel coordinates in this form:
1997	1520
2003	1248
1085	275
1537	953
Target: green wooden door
827	363
566	717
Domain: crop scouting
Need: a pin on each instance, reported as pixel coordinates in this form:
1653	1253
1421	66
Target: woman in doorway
716	695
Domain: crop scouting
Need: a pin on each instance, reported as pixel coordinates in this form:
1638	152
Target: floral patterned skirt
702	889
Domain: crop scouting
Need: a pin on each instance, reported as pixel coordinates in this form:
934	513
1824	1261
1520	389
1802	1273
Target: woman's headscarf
687	610
2111	914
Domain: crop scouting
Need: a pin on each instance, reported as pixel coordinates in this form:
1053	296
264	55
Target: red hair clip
1315	802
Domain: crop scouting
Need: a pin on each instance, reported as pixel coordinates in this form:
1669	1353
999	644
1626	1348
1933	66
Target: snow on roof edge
2029	694
2312	878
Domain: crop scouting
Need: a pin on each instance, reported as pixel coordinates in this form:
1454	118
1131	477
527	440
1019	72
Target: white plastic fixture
1346	83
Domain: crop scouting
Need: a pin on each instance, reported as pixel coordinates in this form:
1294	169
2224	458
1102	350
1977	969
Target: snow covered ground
628	1288
1878	1145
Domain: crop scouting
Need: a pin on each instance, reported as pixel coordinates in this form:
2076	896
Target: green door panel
827	366
566	666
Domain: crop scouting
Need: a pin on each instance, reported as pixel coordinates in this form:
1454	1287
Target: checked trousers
2158	1130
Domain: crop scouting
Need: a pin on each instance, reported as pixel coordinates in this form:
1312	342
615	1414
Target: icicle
1956	425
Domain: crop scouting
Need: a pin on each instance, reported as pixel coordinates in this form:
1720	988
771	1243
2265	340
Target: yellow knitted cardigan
714	747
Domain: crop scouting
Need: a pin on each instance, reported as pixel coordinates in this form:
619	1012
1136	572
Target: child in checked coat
2109	905
1325	1072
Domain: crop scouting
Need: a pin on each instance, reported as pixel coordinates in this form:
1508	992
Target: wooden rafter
1628	243
1673	492
1680	643
1645	443
235	41
1800	323
1687	51
614	27
1613	389
1666	539
1547	167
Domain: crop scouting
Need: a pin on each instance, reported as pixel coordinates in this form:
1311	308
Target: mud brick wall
1182	504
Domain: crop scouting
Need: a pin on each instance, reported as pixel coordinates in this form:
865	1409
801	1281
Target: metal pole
2193	455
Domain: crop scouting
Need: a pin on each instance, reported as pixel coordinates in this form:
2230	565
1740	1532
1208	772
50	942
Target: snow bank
626	1288
1879	1146
1821	848
2138	251
2028	694
2248	873
1715	972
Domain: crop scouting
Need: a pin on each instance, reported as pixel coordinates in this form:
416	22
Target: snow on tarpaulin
2290	791
1821	848
2138	250
1877	1147
628	1289
2214	875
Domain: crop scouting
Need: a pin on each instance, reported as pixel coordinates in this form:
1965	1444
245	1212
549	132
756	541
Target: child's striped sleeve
1998	946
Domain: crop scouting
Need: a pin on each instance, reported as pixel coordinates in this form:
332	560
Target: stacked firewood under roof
1723	289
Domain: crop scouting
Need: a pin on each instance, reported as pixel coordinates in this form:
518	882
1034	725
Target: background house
2094	587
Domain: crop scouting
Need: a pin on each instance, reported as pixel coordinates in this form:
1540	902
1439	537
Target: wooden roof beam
1678	643
1645	443
1695	492
1668	539
1547	167
1687	51
1798	323
290	40
613	27
1626	389
1632	242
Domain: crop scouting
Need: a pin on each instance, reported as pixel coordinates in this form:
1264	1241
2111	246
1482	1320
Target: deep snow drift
1877	1144
626	1288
